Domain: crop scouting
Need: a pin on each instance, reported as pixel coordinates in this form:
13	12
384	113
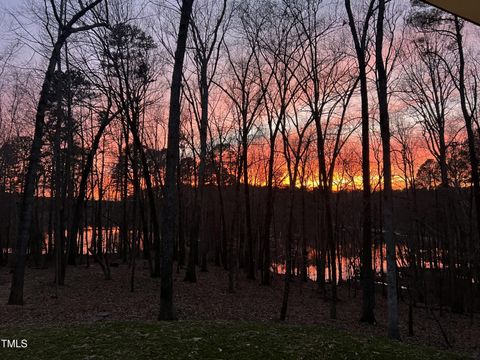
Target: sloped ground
88	298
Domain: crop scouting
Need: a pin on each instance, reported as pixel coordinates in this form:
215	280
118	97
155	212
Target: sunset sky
156	120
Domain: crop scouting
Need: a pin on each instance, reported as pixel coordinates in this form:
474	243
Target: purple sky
10	3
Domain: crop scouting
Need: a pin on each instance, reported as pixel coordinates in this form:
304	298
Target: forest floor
87	298
207	340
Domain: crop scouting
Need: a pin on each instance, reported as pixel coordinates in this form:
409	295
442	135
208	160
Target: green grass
205	340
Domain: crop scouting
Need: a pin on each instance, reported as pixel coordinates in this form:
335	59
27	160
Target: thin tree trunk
366	273
77	212
268	215
382	89
288	254
197	228
248	213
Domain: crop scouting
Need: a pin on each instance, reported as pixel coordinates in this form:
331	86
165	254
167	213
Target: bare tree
468	91
389	234
75	24
428	91
208	30
170	206
327	85
295	146
361	40
278	57
247	96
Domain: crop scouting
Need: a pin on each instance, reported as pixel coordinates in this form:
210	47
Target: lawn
205	340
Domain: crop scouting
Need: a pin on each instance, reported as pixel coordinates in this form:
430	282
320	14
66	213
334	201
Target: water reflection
88	237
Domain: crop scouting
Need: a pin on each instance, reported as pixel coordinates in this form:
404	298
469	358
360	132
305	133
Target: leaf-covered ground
205	340
86	297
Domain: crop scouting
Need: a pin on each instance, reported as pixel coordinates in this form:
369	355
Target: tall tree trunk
133	124
82	190
268	215
467	115
366	272
169	213
232	258
58	190
124	195
26	209
304	271
69	186
181	231
196	227
367	276
382	90
288	253
248	213
332	250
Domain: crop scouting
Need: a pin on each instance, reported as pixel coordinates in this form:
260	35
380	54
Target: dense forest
329	142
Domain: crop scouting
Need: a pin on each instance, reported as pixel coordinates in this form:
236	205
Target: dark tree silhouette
170	206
